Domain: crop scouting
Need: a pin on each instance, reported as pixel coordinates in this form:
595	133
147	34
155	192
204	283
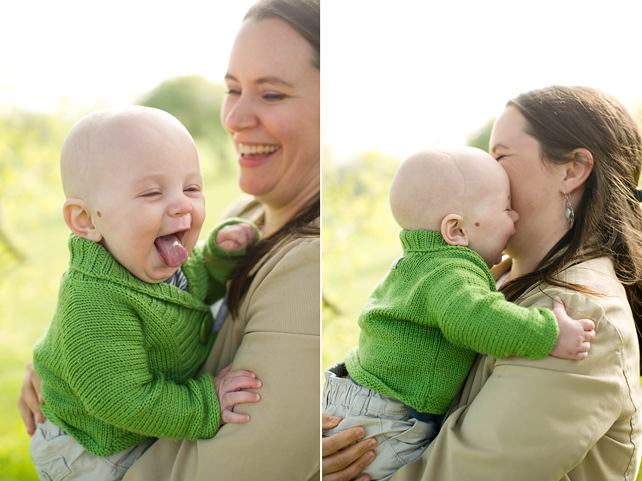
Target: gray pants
58	456
401	438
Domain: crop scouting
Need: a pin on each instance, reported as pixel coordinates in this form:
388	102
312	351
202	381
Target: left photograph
141	338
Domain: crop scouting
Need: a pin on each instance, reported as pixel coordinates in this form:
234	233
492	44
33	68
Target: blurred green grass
28	290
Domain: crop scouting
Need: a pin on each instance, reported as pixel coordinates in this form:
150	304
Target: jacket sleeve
535	419
281	344
471	316
109	371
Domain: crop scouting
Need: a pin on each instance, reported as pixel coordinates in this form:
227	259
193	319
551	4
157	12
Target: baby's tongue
171	250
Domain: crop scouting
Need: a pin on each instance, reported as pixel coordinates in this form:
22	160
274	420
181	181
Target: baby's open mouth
170	249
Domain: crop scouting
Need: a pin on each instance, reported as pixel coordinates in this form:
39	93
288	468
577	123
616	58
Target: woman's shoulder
603	296
284	294
292	254
606	304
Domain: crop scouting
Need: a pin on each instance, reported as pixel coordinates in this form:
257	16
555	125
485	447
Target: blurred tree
29	151
196	102
355	204
481	138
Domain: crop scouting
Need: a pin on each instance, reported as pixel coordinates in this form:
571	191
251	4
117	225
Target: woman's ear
577	170
79	220
452	230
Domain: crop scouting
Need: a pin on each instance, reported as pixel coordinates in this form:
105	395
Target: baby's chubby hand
228	390
575	336
235	237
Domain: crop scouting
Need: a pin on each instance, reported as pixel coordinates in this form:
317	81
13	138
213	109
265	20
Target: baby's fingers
231	399
240	374
228	416
585	347
558	306
237	383
587	324
580	356
229	245
589	336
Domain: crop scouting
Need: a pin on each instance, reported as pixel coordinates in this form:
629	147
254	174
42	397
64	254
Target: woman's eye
499	157
233	92
274	96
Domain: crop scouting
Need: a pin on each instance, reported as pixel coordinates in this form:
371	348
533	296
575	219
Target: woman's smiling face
272	112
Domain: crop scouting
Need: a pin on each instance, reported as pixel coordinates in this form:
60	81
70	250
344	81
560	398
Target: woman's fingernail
372	443
334	419
370	455
360	432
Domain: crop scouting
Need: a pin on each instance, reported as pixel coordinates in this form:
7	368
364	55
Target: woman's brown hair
608	221
304	17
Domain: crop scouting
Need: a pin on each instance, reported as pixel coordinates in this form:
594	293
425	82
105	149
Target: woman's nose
514	215
238	114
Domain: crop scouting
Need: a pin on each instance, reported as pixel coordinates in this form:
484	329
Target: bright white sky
397	75
403	74
103	53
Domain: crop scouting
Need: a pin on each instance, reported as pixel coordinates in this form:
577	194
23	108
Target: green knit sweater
119	356
424	322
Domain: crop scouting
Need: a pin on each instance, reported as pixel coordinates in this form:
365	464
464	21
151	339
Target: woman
573	156
272	113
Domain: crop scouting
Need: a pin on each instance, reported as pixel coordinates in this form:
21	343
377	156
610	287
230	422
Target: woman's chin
255	185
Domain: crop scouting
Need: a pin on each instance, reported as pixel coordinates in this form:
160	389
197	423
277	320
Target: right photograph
482	243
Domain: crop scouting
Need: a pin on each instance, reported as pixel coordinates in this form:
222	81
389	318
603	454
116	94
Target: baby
133	323
437	307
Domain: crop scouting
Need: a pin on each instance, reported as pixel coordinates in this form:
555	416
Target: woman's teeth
257	149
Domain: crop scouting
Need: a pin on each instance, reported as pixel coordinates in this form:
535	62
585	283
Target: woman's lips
256	154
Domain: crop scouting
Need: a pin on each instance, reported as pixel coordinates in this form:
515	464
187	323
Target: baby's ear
452	230
78	220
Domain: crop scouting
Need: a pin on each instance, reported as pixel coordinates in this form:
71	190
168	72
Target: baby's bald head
98	144
435	182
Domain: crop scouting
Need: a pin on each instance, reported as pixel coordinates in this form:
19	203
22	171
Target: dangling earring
570	215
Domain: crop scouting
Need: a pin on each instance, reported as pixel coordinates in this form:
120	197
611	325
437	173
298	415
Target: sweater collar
421	240
93	260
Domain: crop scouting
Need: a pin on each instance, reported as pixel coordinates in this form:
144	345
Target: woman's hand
30	399
344	464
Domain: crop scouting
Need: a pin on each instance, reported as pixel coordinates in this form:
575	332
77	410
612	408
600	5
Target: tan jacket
277	337
549	419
